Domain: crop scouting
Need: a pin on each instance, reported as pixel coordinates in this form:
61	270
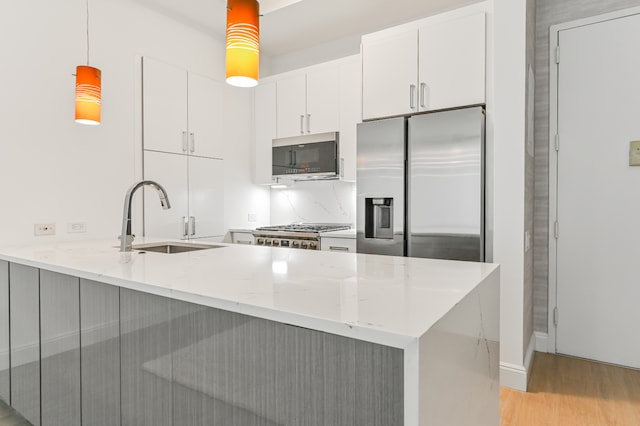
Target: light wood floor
566	391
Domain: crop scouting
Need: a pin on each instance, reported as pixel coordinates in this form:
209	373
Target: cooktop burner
305	227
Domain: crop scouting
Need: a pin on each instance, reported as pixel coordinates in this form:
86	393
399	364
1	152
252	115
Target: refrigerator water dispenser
379	218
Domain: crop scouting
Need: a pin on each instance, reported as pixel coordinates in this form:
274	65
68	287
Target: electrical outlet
252	217
40	229
634	153
76	227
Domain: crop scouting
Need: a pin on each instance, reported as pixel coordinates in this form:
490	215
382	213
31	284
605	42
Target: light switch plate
634	153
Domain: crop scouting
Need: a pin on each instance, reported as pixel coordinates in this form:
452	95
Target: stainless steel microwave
306	157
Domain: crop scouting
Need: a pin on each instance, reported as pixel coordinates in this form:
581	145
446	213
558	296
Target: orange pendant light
88	94
243	42
88	89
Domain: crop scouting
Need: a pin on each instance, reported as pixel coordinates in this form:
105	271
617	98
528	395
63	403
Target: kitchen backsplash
329	201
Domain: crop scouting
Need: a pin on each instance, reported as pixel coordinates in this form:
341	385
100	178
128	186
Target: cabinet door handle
295	159
192	147
342	167
338	248
243	242
192	221
184	141
302	124
308	123
423	96
290	158
185	226
412	96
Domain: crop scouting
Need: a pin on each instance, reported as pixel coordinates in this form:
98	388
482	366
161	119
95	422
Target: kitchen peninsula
245	335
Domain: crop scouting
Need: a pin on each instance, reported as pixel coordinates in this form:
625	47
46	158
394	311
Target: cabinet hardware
184	141
342	167
302	124
423	86
308	123
412	95
192	220
192	148
290	158
185	226
338	248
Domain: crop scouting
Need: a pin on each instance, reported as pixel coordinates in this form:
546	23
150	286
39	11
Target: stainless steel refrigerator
420	185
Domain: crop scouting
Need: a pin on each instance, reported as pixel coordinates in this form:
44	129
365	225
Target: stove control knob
260	241
276	242
295	244
303	245
313	246
267	242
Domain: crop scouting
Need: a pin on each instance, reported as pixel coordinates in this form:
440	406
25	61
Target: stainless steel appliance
301	236
306	157
420	185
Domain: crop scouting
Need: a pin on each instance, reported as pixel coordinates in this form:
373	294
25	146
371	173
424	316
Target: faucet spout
126	238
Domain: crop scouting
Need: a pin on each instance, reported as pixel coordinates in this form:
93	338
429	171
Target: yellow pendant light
88	89
243	42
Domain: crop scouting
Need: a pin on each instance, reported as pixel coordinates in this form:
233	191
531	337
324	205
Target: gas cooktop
305	227
297	235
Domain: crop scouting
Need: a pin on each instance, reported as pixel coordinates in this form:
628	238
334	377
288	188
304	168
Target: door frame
554	35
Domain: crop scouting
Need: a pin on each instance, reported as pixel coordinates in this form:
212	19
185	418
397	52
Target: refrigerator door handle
423	86
412	96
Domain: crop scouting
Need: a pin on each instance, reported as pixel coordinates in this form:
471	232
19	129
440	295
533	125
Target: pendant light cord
87	32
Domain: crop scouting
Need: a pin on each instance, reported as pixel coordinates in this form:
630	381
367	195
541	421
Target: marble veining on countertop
382	299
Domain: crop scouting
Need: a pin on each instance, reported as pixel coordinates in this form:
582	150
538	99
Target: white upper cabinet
440	64
389	76
291	106
205	114
164	97
306	103
452	63
182	111
350	87
265	131
322	95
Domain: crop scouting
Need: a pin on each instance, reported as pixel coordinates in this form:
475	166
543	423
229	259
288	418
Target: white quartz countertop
381	299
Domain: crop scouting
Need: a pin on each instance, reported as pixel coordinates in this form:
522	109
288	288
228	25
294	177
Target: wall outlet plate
40	229
76	227
634	153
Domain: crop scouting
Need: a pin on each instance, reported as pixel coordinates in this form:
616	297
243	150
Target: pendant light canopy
88	89
243	42
88	94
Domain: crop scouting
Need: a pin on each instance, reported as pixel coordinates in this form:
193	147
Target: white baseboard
542	342
517	376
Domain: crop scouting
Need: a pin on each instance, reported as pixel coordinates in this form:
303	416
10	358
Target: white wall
509	181
54	170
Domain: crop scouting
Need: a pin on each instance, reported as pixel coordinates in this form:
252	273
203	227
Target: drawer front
242	238
338	244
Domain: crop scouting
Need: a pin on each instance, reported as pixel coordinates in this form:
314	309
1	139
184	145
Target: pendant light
88	89
243	42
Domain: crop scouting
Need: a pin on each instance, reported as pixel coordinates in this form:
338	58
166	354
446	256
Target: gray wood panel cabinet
5	389
100	353
113	356
145	347
24	299
59	349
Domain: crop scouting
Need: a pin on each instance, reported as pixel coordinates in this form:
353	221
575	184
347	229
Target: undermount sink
173	247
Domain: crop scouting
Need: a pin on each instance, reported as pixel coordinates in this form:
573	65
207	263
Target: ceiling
306	23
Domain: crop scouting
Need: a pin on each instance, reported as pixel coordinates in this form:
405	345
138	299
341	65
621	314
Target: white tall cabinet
432	64
182	139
